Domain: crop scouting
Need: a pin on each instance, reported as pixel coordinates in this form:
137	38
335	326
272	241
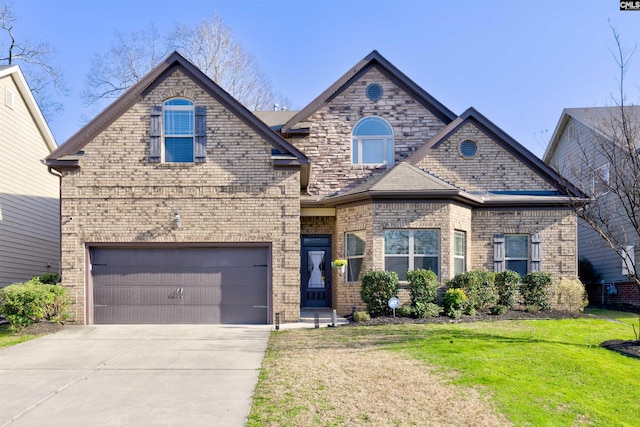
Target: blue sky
518	62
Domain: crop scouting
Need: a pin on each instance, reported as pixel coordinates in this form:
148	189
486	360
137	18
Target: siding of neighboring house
328	145
29	195
235	197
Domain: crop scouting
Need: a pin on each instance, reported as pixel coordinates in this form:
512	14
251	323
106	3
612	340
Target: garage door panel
217	285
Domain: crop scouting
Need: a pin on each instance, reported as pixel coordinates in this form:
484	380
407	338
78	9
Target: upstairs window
178	132
178	121
372	142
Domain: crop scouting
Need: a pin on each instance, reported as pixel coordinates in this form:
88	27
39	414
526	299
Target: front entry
315	277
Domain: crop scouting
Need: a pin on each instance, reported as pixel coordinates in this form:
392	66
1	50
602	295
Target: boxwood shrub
534	289
478	286
377	288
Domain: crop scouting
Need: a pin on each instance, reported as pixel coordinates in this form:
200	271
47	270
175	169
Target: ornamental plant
535	290
339	263
454	302
478	286
377	288
507	284
423	287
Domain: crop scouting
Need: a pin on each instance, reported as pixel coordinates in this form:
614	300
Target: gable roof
374	59
591	117
471	115
26	94
174	61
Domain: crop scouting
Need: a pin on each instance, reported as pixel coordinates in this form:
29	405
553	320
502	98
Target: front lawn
8	338
533	372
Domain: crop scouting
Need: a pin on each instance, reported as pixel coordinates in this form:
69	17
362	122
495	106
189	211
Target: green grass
540	373
8	338
535	372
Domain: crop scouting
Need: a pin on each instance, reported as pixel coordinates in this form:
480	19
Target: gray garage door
179	285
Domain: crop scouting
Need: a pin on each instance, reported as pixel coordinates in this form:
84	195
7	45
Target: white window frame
362	235
463	255
507	258
388	144
411	252
571	132
165	135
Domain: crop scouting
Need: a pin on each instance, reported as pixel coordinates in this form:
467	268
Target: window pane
372	151
178	149
519	266
426	242
355	244
178	101
398	264
390	152
178	122
354	152
516	246
426	263
396	242
458	246
458	266
372	126
353	269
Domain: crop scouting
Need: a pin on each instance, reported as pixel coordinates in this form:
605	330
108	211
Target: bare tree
35	60
210	45
607	167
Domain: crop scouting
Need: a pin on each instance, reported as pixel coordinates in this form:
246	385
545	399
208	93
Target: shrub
361	316
498	309
405	310
423	310
478	286
49	278
423	286
535	290
587	272
507	283
377	288
571	295
454	302
23	304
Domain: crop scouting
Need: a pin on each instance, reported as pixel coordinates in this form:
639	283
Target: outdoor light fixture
177	219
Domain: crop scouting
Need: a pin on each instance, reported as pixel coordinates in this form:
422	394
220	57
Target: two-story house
181	206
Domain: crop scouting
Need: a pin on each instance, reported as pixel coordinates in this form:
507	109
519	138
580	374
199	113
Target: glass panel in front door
316	269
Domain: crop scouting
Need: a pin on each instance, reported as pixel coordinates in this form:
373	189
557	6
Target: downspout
51	171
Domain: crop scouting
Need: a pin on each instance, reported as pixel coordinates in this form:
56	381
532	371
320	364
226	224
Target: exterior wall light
177	219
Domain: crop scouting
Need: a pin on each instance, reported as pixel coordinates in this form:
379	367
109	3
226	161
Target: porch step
307	315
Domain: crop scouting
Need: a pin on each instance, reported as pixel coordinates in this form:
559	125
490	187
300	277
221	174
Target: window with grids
372	142
406	250
516	253
600	181
178	127
459	251
354	249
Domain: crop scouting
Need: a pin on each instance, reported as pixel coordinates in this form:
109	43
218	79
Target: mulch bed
630	348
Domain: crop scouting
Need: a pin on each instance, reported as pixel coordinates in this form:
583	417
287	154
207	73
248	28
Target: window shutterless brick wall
236	196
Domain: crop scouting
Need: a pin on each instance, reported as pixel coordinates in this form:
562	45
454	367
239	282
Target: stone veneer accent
237	196
492	168
328	145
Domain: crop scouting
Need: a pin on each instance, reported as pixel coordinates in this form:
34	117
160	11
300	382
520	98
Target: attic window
468	149
8	99
571	132
374	91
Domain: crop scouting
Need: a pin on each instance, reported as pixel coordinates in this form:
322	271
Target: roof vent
374	91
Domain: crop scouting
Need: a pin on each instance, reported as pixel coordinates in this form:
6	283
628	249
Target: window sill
175	165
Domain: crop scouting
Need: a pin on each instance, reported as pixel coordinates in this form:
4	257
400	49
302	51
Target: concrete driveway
133	375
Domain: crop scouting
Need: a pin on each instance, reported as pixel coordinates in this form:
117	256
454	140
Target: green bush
587	272
23	304
423	286
478	286
498	310
507	283
49	278
405	310
377	288
361	316
535	290
571	295
424	310
454	302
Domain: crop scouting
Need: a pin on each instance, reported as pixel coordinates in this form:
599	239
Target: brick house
181	206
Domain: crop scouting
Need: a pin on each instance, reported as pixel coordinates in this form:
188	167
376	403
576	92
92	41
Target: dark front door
315	278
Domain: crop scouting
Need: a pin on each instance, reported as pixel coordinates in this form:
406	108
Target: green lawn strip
620	316
539	373
8	338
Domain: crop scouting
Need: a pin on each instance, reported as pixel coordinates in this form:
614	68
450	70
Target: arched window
372	142
178	120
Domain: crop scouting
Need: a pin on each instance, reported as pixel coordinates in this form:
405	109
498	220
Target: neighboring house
29	194
577	151
181	206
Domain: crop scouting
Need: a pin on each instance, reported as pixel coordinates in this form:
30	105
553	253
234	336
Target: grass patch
529	373
8	338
